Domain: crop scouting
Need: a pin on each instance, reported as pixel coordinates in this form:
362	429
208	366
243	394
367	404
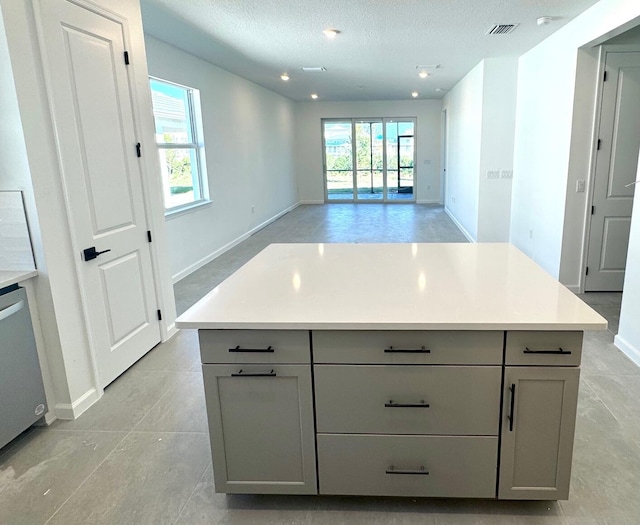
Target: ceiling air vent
501	29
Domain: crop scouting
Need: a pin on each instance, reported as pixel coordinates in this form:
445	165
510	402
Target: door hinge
604	77
138	150
149	235
159	315
599	144
126	58
593	210
586	273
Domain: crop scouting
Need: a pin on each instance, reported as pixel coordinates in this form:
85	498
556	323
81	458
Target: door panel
88	85
91	60
616	168
535	463
127	311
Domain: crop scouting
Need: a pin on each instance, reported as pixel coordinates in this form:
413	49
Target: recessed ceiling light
284	77
439	90
331	33
414	94
544	20
314	96
423	74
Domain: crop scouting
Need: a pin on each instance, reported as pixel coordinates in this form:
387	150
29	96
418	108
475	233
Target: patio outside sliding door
369	160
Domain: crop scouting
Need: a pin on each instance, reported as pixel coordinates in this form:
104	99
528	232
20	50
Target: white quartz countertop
391	287
7	278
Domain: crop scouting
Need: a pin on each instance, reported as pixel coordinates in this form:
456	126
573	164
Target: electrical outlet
530	234
253	209
580	186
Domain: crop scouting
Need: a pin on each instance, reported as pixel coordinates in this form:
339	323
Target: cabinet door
539	413
261	428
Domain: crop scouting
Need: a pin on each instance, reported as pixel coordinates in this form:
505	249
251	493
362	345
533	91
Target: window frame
199	175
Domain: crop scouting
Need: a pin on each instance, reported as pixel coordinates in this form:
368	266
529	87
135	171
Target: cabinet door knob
422	471
559	351
391	404
421	350
512	389
242	373
238	349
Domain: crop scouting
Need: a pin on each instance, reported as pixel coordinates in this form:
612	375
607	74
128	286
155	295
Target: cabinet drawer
544	348
254	346
359	399
431	466
408	347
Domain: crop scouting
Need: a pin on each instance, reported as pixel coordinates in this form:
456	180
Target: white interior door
88	84
616	168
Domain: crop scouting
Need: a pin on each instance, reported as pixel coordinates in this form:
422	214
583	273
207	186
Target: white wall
248	134
481	115
308	127
544	117
498	124
628	338
64	324
464	137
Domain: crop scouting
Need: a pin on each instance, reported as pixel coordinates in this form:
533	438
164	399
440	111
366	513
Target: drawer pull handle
241	373
512	389
391	404
421	350
559	351
238	349
419	472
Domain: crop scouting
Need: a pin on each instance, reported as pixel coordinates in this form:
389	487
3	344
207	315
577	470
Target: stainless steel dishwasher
22	399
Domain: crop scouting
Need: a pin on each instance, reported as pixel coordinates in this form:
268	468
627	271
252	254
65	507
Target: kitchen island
436	370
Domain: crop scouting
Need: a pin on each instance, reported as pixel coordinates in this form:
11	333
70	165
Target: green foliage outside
365	157
179	168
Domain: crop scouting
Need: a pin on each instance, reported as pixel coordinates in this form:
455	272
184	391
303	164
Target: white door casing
615	169
89	91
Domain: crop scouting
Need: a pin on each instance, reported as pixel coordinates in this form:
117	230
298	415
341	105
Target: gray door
616	168
261	428
538	425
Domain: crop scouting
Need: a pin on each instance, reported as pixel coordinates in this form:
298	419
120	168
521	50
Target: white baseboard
428	201
171	331
575	288
205	260
312	202
629	350
460	227
75	409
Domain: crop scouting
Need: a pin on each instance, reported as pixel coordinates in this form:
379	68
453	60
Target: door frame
152	198
384	199
590	183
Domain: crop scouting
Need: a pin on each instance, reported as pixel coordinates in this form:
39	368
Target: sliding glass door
369	160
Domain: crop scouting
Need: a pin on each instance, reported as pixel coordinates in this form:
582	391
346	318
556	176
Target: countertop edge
8	278
192	325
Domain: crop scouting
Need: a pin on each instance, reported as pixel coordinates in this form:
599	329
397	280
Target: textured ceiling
376	54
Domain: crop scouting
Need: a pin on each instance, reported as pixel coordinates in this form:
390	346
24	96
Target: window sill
178	212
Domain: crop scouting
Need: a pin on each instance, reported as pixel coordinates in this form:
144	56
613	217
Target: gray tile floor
141	454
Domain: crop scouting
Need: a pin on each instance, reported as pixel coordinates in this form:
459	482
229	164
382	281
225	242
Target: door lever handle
91	253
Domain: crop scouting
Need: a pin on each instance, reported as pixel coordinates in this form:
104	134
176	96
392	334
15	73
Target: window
369	159
178	122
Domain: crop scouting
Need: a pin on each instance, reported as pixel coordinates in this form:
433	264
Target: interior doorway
617	143
369	160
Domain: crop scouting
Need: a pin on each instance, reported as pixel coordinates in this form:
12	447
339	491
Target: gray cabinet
537	432
261	428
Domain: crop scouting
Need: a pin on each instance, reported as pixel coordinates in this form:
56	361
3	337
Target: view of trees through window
384	151
176	135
